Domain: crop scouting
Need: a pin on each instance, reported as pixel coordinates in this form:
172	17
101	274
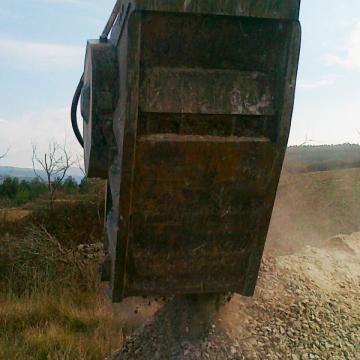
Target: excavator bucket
187	109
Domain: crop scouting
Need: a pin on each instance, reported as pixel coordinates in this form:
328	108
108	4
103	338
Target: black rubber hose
74	107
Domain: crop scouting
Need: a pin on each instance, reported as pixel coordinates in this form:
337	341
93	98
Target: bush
36	188
22	197
72	223
84	186
37	262
70	186
51	305
9	188
22	192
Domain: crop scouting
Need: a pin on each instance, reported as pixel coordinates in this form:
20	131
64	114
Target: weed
44	327
38	261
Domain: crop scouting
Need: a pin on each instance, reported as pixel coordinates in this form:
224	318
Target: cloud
27	54
79	3
73	2
325	124
36	128
316	84
349	56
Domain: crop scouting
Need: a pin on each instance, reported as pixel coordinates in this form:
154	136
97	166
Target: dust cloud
312	207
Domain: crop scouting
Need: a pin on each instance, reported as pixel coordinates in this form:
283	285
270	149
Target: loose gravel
306	307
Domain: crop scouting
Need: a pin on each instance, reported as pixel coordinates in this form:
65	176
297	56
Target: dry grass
51	328
51	307
38	262
14	214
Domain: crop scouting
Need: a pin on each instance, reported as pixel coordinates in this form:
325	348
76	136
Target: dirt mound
306	307
339	243
334	268
185	328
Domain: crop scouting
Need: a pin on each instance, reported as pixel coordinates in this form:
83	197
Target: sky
42	48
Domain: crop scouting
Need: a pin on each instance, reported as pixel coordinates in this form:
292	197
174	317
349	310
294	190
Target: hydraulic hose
75	102
74	107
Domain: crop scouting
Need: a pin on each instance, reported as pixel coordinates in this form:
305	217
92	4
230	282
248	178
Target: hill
322	158
28	174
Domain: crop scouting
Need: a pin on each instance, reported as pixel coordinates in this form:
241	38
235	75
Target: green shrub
23	191
36	188
70	186
84	186
9	188
22	197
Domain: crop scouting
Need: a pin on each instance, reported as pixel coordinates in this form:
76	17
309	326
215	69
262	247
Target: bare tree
53	164
2	156
307	141
80	164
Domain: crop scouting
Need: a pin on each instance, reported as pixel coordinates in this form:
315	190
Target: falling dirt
312	207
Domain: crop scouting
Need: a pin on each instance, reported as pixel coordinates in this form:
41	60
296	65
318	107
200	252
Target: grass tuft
37	262
39	327
51	307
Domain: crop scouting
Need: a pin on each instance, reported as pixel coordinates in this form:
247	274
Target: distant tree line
50	169
311	158
23	191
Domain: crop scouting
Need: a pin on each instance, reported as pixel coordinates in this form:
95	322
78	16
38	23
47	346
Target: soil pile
306	307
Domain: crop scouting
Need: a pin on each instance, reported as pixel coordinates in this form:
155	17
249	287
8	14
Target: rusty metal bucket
187	111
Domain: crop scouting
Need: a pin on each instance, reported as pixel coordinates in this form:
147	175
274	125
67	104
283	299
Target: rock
290	317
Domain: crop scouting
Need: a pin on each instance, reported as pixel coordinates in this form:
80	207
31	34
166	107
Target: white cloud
325	124
36	128
348	57
74	2
80	3
316	84
27	54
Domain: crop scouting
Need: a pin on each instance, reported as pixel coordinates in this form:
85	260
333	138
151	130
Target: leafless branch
307	141
2	156
54	165
80	164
